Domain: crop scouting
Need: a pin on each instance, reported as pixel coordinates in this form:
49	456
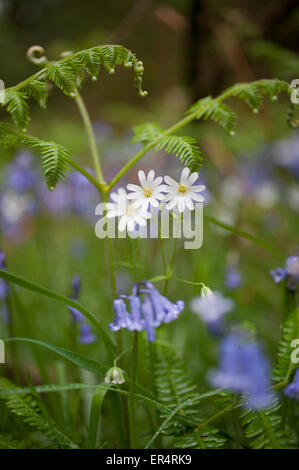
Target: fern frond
67	74
203	438
39	91
55	161
9	442
27	408
222	114
265	429
91	60
17	106
185	148
273	88
63	76
174	387
147	132
285	367
248	92
55	157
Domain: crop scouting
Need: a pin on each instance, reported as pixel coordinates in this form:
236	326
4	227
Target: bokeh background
190	49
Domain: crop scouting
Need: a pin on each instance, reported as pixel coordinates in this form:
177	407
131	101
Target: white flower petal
184	175
189	203
154	202
140	221
197	197
198	188
122	223
131	224
134	187
192	178
150	176
142	178
181	204
170	181
172	204
134	195
156	182
138	203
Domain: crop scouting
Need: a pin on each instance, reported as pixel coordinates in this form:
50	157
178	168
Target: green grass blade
243	234
9	277
95	414
84	362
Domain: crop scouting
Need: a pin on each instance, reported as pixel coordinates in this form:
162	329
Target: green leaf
55	157
9	442
174	387
222	114
285	367
55	161
78	359
27	408
165	424
63	76
248	92
17	106
91	60
206	437
147	132
39	91
185	148
9	277
242	233
265	428
95	414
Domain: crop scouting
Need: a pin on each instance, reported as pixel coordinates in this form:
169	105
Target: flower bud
206	291
115	376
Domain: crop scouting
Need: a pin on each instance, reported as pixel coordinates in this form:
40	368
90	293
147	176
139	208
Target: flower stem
90	136
182	123
132	393
87	175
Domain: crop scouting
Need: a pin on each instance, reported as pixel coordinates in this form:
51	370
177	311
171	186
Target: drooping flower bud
115	376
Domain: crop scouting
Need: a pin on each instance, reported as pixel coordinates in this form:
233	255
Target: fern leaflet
27	408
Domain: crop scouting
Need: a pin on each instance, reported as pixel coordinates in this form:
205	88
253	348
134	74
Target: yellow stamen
182	189
147	192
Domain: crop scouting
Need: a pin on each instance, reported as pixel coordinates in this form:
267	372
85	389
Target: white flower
150	191
211	306
115	376
183	193
128	213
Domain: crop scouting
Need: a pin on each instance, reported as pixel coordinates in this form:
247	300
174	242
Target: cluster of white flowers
133	208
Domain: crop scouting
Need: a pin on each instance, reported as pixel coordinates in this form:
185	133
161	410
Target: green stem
87	175
90	136
132	393
182	123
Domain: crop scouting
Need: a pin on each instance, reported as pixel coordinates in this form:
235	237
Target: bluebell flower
211	307
290	272
21	175
292	390
233	277
148	309
286	154
86	334
245	370
78	317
